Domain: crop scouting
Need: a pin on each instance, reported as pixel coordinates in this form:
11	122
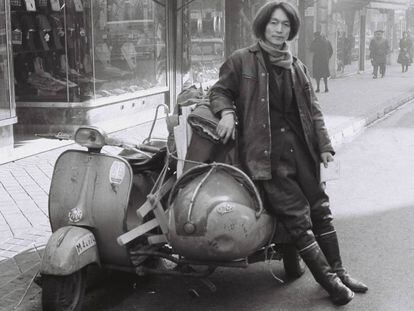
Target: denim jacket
243	85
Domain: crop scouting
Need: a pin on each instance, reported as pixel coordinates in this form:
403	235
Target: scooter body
91	190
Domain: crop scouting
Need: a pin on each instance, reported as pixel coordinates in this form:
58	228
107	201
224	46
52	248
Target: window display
77	50
203	41
130	46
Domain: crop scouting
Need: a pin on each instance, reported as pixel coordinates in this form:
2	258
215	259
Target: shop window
80	50
130	46
203	41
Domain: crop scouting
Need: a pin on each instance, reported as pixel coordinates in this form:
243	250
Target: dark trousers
382	69
294	194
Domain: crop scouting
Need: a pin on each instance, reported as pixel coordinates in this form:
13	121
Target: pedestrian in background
282	140
340	51
322	52
379	49
405	55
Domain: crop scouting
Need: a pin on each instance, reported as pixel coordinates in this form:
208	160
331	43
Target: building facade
109	63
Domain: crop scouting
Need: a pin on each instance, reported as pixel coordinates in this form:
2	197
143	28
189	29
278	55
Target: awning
389	4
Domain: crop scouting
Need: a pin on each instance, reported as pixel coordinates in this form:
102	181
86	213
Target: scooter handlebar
147	148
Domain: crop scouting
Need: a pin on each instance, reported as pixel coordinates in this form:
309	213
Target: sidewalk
352	103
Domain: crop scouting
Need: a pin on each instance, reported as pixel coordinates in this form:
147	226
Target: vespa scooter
111	210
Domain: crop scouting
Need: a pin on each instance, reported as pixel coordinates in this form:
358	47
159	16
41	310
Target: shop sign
390	5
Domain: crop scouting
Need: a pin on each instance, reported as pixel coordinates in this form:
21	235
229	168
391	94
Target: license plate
85	243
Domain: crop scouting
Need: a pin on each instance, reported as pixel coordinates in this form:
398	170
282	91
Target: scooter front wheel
63	293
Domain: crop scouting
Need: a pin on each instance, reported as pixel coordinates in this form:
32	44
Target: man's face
378	35
278	28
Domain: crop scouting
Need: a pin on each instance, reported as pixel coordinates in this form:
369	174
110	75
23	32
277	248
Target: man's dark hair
264	14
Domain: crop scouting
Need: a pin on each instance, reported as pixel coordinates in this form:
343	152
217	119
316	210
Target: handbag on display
30	5
78	5
55	5
45	31
29	32
17	34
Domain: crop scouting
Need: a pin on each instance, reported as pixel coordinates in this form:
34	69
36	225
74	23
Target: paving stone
15	241
25	236
7	254
6	246
10	210
4	235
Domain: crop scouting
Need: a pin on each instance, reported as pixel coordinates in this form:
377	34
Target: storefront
109	63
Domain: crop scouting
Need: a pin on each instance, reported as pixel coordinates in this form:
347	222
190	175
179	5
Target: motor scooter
116	211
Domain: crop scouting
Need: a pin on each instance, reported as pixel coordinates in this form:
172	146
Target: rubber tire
63	293
292	262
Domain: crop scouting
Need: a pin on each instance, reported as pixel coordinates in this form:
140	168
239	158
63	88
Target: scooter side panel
92	190
68	250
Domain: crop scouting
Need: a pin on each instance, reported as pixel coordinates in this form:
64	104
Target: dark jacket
322	52
244	85
378	51
405	55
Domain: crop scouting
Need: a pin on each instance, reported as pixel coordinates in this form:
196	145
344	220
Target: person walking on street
405	55
322	52
379	49
282	140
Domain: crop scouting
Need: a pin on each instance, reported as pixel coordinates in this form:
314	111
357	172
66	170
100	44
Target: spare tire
215	214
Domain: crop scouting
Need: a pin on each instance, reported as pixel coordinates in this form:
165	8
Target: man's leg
318	82
289	204
382	70
321	217
375	72
325	81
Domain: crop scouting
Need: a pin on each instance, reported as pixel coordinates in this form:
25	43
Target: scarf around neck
278	57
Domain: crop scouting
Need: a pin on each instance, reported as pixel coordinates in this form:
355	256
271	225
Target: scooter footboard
69	249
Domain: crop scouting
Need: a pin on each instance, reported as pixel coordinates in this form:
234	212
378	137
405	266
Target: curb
343	134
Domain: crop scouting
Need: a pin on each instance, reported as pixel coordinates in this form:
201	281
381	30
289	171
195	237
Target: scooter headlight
90	137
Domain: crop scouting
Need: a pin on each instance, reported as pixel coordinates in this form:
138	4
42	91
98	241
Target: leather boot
322	272
328	242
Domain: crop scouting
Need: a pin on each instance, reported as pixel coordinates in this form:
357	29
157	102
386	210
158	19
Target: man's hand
326	157
226	128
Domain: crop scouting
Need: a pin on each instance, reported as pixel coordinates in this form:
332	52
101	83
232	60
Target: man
322	52
282	141
379	48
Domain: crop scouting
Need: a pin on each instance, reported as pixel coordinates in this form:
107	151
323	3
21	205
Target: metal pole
362	41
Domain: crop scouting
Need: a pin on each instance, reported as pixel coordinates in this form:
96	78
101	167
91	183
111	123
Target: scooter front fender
68	250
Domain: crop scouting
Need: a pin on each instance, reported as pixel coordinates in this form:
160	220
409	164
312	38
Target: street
373	205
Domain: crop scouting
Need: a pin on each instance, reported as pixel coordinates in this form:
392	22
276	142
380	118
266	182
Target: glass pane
239	33
129	46
38	37
5	107
76	63
203	41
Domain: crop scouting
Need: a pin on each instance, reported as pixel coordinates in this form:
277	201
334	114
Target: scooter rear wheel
63	293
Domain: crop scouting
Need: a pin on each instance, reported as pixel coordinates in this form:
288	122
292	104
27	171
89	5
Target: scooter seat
140	162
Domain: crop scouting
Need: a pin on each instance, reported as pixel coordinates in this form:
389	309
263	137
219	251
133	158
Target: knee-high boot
328	242
315	260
